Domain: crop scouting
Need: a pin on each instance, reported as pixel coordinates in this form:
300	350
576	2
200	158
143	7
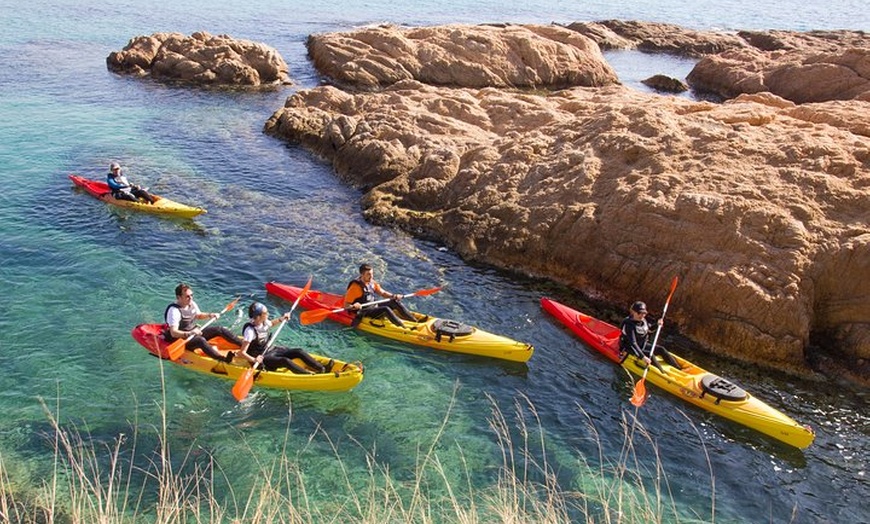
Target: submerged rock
200	59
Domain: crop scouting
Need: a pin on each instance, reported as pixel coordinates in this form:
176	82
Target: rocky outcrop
799	75
200	59
518	56
653	37
761	206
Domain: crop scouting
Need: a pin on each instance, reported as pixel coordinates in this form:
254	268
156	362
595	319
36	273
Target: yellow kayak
690	383
162	206
343	376
431	332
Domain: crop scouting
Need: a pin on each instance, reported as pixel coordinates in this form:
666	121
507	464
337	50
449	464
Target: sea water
77	275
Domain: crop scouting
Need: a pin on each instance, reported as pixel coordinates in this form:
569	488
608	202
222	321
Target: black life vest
257	346
187	323
641	332
368	292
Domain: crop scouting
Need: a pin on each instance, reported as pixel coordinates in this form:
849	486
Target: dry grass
92	484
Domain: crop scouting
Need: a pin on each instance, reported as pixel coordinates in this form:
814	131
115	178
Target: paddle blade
231	305
639	395
301	294
243	385
176	349
426	292
314	316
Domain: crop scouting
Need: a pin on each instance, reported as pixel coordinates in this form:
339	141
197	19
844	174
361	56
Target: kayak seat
721	389
451	328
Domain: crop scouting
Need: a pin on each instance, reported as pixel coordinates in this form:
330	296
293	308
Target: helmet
114	165
638	307
256	309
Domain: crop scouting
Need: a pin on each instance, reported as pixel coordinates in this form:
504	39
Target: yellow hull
343	377
478	342
686	384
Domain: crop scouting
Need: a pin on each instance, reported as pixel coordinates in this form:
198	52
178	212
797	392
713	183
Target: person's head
115	168
638	309
366	272
257	310
183	293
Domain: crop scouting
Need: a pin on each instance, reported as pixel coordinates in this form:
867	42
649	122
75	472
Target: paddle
246	381
176	349
317	315
639	395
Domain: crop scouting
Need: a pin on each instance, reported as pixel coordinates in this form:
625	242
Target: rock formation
461	55
760	205
200	59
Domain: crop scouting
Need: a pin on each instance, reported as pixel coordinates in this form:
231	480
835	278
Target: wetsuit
257	336
634	340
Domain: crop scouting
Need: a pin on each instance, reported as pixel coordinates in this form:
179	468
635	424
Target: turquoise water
77	275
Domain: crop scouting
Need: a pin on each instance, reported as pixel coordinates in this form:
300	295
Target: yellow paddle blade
639	395
243	385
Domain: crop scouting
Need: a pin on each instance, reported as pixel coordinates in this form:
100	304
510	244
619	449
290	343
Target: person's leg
403	310
666	355
214	331
202	343
123	195
280	357
303	355
380	311
144	195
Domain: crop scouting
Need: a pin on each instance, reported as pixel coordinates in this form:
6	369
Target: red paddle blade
639	395
243	386
176	349
314	316
425	292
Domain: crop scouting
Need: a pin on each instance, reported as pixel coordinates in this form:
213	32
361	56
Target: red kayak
688	382
162	205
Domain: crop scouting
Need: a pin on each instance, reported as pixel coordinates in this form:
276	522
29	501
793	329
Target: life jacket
259	344
368	291
641	331
187	323
117	185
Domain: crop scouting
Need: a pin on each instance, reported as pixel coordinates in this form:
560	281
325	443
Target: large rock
759	205
799	75
654	37
526	56
200	59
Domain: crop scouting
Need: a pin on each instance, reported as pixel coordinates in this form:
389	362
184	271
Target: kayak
691	383
344	375
431	332
162	206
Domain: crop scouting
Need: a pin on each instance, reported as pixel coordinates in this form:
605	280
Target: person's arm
384	293
247	336
352	295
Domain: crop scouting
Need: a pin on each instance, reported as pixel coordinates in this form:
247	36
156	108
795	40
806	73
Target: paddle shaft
659	330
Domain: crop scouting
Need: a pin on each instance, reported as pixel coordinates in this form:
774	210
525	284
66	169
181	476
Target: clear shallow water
77	275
